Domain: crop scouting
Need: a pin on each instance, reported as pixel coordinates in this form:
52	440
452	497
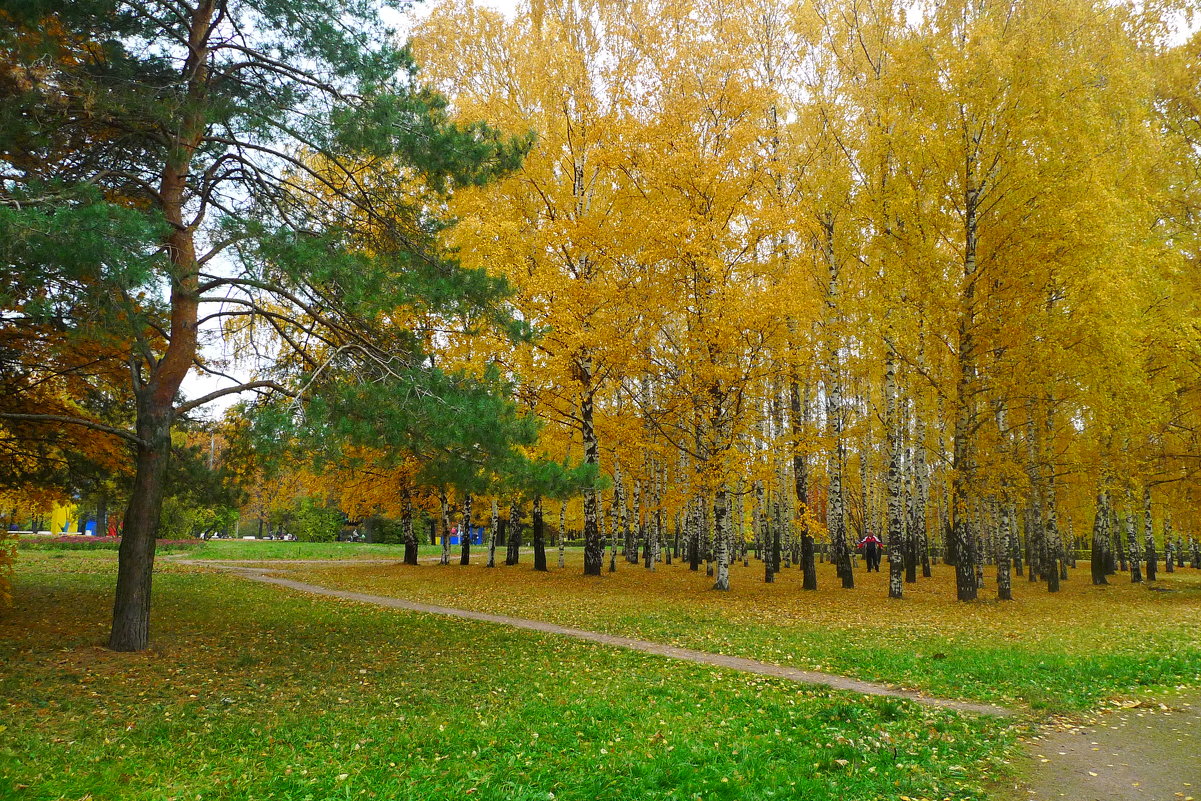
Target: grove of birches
805	272
797	273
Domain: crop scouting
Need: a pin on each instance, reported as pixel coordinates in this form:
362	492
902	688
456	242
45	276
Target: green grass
277	549
252	692
1058	653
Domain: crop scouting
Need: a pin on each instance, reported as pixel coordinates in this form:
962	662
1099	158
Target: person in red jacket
872	546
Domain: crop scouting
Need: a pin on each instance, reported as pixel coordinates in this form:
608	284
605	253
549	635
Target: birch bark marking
1100	549
800	475
493	531
721	521
896	524
1149	535
593	547
652	522
406	525
465	532
1004	546
539	535
1169	551
513	543
1053	545
836	517
963	484
563	532
445	560
612	539
1136	573
621	520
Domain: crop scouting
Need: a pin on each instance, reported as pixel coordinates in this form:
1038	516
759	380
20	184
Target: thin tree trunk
539	536
493	533
612	539
896	524
445	528
513	554
1004	547
406	527
1169	550
465	532
594	549
1149	535
1100	555
563	533
721	522
1136	573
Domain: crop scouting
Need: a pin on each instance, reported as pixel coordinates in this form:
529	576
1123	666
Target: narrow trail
1142	751
261	572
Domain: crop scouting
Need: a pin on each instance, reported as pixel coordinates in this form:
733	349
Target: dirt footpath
1149	751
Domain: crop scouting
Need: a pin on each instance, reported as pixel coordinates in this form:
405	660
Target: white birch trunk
445	528
721	520
562	532
896	511
492	531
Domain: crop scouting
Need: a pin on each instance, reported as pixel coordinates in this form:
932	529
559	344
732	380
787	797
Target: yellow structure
64	519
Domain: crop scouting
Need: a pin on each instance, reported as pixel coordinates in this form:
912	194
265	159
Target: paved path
1149	751
260	573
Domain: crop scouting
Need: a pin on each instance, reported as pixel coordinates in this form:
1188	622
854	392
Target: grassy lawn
278	549
1055	653
253	692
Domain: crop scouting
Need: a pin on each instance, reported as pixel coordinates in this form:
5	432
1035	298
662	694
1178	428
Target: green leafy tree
171	164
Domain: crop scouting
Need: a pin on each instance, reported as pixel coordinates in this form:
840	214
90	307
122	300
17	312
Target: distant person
872	547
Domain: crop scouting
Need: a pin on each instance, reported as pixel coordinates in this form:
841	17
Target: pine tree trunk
135	564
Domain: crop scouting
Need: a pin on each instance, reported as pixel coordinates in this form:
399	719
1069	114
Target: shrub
81	543
317	522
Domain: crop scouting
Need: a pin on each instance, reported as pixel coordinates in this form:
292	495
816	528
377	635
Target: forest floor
1061	653
258	692
261	692
1120	752
265	574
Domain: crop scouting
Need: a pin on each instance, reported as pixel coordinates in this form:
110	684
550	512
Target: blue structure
477	536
